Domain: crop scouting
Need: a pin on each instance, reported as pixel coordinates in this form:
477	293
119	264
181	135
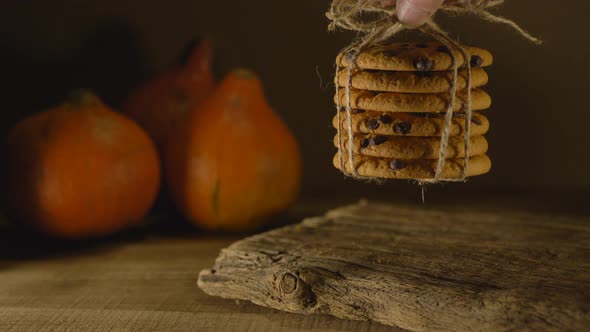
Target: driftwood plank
421	270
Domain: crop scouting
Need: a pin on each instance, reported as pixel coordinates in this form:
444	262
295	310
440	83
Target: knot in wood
294	291
288	283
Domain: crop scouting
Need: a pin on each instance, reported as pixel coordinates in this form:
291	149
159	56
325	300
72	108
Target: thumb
414	13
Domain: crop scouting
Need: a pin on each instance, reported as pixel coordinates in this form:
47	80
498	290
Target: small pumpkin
80	170
161	103
234	163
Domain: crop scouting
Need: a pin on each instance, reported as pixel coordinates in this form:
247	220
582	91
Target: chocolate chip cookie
411	147
409	124
411	82
415	169
422	57
412	102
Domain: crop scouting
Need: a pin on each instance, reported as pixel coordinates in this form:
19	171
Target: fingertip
414	13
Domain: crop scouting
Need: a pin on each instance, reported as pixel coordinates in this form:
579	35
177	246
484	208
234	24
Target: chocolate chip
424	73
443	49
385	119
397	164
364	143
390	53
422	45
372	124
423	64
402	128
378	140
342	109
476	61
475	120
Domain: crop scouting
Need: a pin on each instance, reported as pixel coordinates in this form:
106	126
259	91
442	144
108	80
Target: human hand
413	13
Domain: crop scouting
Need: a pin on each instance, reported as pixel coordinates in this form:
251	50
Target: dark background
539	139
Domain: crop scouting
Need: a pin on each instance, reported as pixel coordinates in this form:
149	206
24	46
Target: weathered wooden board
418	269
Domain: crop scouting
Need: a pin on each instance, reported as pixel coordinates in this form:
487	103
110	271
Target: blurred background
539	140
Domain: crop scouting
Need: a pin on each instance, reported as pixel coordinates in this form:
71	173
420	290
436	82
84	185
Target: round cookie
417	169
409	124
411	82
412	102
429	56
411	147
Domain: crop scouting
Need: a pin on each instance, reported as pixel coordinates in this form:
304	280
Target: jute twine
375	23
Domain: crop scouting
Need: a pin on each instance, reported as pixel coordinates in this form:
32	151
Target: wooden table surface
148	285
139	282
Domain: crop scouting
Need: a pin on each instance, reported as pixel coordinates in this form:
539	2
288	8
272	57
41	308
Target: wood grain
136	285
418	269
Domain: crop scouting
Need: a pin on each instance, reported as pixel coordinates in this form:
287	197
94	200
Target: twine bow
375	23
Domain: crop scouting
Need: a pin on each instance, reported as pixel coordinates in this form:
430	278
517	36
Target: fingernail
411	14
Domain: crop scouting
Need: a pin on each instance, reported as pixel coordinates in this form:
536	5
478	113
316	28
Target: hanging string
432	29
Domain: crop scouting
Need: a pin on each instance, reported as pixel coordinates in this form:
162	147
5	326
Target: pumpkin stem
197	54
188	50
82	97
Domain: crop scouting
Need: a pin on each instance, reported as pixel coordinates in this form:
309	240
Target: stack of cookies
399	94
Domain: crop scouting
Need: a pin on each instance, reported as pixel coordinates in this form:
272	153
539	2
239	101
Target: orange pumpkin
234	162
161	103
80	170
